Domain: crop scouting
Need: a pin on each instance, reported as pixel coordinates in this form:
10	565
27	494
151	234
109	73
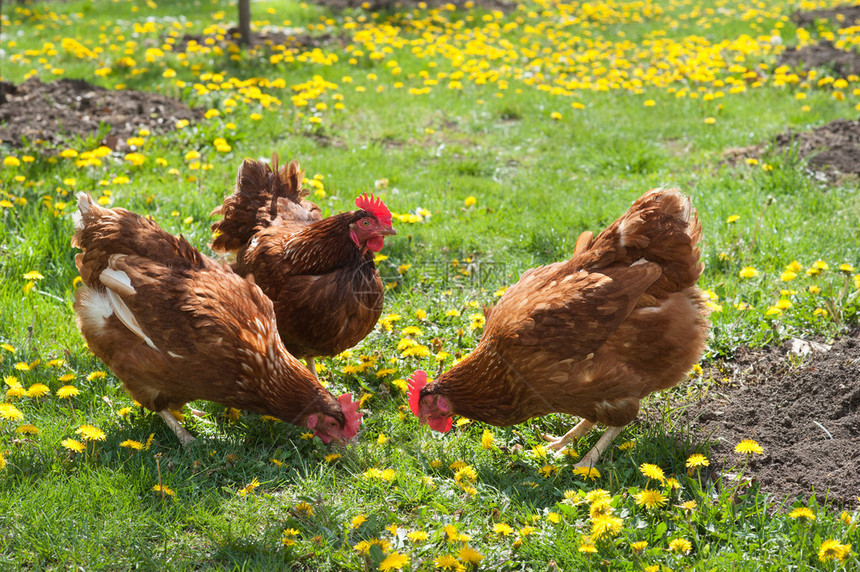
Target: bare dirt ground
58	112
832	149
843	15
806	417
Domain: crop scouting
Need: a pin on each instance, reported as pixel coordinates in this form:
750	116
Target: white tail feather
118	281
122	311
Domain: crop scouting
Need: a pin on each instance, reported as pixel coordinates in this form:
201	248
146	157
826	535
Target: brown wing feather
575	314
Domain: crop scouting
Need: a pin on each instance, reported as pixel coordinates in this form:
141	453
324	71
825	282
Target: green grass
538	182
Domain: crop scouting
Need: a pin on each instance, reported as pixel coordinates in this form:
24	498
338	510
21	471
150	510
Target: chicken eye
365	222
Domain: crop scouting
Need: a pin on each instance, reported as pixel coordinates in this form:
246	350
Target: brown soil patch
844	15
63	110
807	419
832	149
824	54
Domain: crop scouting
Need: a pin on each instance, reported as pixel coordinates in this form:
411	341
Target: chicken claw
579	431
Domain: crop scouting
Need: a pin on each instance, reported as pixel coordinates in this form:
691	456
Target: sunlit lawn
496	138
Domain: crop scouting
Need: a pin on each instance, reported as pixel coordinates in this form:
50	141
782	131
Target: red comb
350	412
374	206
416	384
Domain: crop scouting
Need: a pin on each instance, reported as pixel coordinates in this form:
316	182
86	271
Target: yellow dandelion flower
72	445
16	392
748	272
305	508
132	444
502	528
465	473
605	525
9	411
587	546
363	547
553	517
470	555
688	505
248	488
626	446
38	390
639	546
417	536
651	471
33	275
358	521
833	550
748	447
448	562
802	512
331	457
91	433
487	439
288	536
164	490
697	460
680	546
27	429
67	391
587	472
650	499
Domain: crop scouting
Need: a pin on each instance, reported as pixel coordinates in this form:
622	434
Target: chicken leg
590	458
580	430
312	366
184	436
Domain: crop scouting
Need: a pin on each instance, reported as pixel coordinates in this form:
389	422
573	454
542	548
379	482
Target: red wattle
441	424
375	243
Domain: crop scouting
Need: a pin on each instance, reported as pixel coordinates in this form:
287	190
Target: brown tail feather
262	197
662	227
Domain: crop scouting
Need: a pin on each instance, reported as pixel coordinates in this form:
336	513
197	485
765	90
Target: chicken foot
184	436
580	430
590	458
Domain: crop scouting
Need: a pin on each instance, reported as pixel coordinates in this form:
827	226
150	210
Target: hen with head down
590	336
176	326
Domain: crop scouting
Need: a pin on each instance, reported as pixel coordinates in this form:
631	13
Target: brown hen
319	272
590	336
176	326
